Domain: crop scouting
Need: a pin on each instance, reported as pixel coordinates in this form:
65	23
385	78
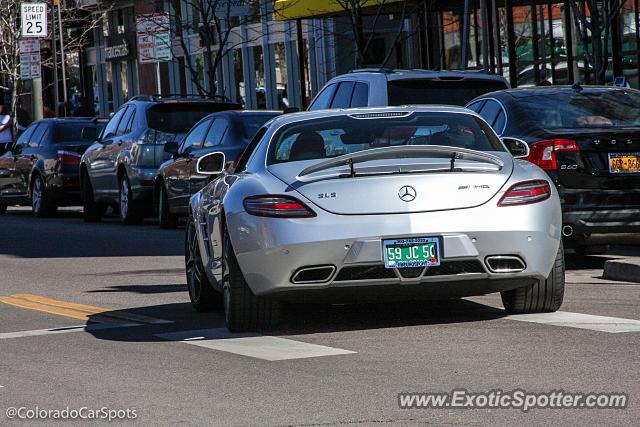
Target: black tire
41	205
3	208
202	295
244	311
91	210
128	208
165	218
543	297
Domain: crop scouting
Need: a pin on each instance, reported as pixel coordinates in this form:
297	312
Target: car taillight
525	193
68	158
277	207
543	153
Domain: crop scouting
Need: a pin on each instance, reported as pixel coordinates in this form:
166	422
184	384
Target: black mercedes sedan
587	139
41	167
227	132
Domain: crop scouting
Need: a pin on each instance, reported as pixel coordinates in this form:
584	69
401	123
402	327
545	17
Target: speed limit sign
34	19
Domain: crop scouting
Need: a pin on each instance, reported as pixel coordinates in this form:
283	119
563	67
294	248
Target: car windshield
252	122
429	91
586	109
337	135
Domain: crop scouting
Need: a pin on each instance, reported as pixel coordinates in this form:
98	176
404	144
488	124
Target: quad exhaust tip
313	274
567	230
505	264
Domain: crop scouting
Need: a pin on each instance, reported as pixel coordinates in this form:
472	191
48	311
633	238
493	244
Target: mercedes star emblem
407	193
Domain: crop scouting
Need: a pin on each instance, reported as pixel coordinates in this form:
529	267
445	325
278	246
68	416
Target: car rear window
337	135
430	91
65	132
175	117
585	109
252	122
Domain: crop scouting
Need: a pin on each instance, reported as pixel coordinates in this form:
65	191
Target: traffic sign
154	38
34	19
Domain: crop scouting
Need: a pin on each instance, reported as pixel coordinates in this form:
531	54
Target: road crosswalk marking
259	347
581	321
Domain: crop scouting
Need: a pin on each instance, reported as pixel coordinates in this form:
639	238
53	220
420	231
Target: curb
622	270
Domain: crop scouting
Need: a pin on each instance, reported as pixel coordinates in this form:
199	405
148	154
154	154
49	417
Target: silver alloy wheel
194	273
124	198
36	195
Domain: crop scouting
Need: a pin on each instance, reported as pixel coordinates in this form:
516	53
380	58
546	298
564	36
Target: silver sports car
351	205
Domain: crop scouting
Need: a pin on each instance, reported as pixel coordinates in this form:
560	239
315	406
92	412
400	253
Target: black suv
119	168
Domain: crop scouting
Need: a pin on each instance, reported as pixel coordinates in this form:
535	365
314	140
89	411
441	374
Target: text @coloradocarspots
70	414
514	399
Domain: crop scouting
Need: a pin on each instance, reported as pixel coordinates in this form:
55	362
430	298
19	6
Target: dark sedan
226	132
41	168
588	141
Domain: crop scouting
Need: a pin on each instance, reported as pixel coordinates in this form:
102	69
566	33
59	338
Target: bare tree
82	19
364	35
9	50
593	20
213	23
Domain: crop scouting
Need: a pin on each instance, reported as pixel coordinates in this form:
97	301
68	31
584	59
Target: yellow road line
58	303
41	307
74	310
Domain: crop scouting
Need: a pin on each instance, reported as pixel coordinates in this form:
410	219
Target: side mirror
171	147
90	133
290	110
517	147
211	164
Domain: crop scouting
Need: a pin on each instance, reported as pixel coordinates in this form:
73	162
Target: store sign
118	51
30	60
34	19
154	38
232	8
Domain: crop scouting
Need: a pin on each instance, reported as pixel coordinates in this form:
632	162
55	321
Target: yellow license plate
624	162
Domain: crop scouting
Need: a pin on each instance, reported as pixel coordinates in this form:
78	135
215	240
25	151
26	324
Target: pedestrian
23	119
6	131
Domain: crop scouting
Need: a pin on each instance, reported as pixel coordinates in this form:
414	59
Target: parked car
41	168
587	139
383	87
227	132
423	201
119	169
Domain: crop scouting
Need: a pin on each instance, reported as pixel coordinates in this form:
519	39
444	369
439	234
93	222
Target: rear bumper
142	182
271	250
64	189
587	222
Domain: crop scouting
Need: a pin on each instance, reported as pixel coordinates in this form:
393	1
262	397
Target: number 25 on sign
33	17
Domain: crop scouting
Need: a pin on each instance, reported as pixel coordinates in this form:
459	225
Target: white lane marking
582	321
259	347
65	330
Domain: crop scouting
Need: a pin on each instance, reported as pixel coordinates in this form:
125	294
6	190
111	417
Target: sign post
154	41
33	18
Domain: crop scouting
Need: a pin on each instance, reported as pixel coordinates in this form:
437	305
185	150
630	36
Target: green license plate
417	252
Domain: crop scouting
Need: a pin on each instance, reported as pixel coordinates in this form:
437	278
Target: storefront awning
296	9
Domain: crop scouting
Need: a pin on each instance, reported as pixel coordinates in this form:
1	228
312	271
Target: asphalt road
146	350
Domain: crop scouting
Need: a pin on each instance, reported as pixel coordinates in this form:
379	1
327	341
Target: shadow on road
141	289
301	319
67	236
